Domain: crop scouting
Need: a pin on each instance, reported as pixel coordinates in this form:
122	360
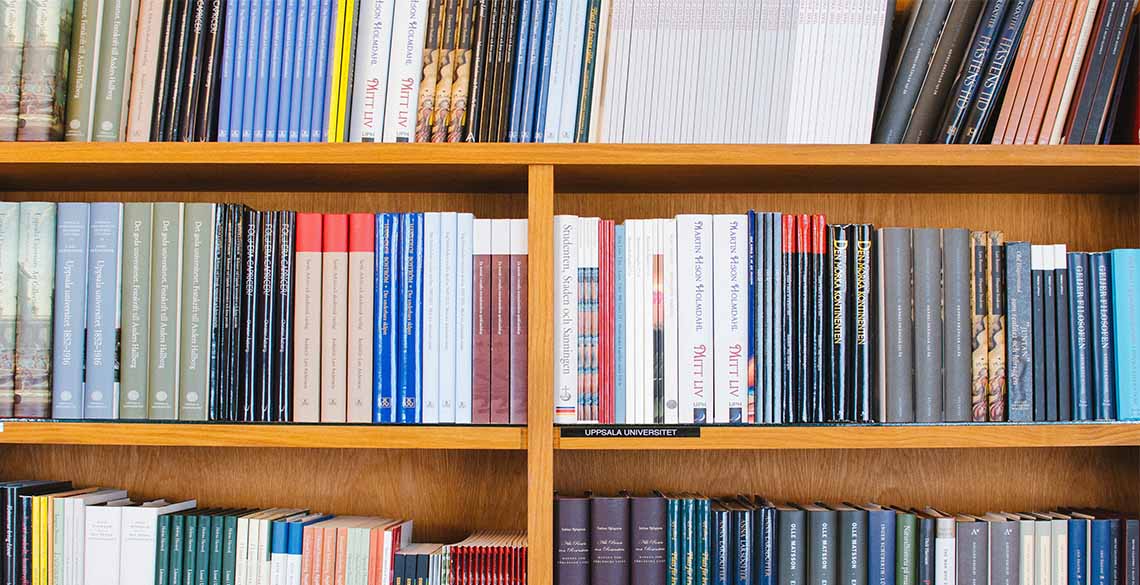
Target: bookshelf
456	479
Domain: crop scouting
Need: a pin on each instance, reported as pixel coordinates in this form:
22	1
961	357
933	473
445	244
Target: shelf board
323	436
502	168
898	436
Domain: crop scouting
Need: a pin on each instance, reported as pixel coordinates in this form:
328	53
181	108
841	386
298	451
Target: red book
334	324
307	318
361	293
500	321
606	279
518	321
481	325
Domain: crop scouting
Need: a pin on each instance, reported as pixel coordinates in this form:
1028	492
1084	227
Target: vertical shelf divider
540	370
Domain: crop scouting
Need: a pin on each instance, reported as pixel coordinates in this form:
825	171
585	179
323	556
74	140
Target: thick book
695	332
500	341
864	276
995	326
9	244
949	54
572	540
973	551
906	548
82	68
881	545
928	364
518	322
386	296
730	336
410	343
852	548
1004	550
1103	359
361	259
793	546
898	333
610	540
34	281
1125	284
822	534
104	259
1019	325
165	310
956	351
465	247
115	61
565	317
43	73
408	33
197	300
481	326
71	244
334	314
647	525
307	318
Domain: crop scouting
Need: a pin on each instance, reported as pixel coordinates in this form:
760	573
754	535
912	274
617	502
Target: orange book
307	545
1068	56
1051	49
328	554
1034	65
1021	64
342	550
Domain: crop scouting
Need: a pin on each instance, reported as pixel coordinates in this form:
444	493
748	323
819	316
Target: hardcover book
1101	340
361	259
71	246
898	338
956	324
518	321
9	266
197	307
996	326
928	364
104	258
307	296
134	354
410	346
429	405
165	308
386	313
1019	311
730	336
500	322
334	314
34	288
694	281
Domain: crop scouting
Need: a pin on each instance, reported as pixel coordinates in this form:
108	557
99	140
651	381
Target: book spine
284	309
818	302
1064	332
823	551
610	556
852	547
1101	340
373	42
881	544
112	86
906	549
165	308
951	129
979	389
997	73
620	338
361	261
793	550
566	316
572	541
228	33
33	330
500	322
11	58
647	524
43	73
85	31
945	548
386	311
429	405
1019	312
481	324
280	83
463	317
9	271
194	55
899	330
71	251
996	326
307	296
921	38
410	342
206	122
266	318
263	49
1125	280
430	74
863	278
1049	296
334	314
1081	348
240	37
786	319
730	380
234	265
694	280
956	324
252	45
1040	396
404	73
518	322
197	289
928	364
841	351
1004	552
101	390
801	358
219	373
442	100
449	247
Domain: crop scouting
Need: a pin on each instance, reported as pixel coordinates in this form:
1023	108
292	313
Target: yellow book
347	36
336	54
35	544
45	538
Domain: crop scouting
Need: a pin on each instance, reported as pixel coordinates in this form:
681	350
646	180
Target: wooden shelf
902	436
305	436
502	168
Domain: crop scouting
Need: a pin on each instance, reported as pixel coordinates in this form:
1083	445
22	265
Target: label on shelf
639	432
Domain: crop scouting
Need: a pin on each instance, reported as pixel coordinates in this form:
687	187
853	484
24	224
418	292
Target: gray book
927	325
115	59
134	398
9	241
197	302
897	323
82	70
973	551
852	549
1019	327
822	527
35	285
1005	550
956	325
776	310
914	60
166	296
792	544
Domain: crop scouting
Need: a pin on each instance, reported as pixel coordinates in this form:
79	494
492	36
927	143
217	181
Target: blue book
288	59
104	257
410	345
522	58
1078	550
1101	338
966	86
539	24
319	116
308	76
1126	324
226	78
766	541
279	537
240	60
264	52
1019	331
68	338
743	541
544	76
1099	555
253	48
282	10
753	406
619	324
997	73
880	546
385	312
296	67
1080	355
721	566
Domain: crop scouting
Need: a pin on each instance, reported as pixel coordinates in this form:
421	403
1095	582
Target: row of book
1031	72
57	534
743	540
204	311
773	318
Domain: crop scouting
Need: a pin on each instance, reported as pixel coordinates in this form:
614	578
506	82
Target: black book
1049	307
234	329
264	361
251	262
920	37
206	122
572	541
192	78
840	297
720	557
792	544
609	540
925	549
217	309
992	85
478	70
788	334
1114	132
180	58
13	522
1099	53
507	64
164	80
863	277
1040	393
820	405
966	85
1103	346
489	87
744	515
283	355
803	319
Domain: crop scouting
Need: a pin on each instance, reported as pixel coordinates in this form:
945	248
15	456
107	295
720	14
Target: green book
166	272
43	75
703	539
162	551
688	537
217	544
202	563
906	547
81	72
229	550
197	291
190	551
116	56
134	359
177	547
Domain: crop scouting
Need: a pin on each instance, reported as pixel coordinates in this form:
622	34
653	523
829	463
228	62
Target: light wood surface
540	359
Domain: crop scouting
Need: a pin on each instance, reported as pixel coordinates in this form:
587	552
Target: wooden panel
264	435
447	493
880	437
540	360
963	480
1085	221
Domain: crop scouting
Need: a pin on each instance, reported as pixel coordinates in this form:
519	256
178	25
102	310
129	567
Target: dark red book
481	324
500	334
518	323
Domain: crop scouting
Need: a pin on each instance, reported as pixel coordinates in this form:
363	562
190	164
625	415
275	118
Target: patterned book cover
9	239
979	389
430	74
11	59
446	78
34	287
461	59
995	325
43	78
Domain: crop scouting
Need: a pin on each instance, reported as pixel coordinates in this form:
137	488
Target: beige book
334	314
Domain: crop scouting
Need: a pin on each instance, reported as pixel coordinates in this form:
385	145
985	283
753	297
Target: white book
603	71
1043	556
1073	74
448	277
669	237
945	548
361	299
866	117
75	530
636	388
465	250
253	549
370	74
334	313
694	314
1060	538
241	565
620	59
409	17
103	527
396	537
431	260
693	50
632	239
572	76
566	342
649	245
730	318
307	264
557	75
1026	531
139	539
9	236
784	71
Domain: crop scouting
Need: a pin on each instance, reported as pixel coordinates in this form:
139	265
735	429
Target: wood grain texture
447	493
949	436
263	435
540	407
959	480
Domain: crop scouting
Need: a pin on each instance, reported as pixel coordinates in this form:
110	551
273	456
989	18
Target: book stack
685	538
770	318
1031	72
231	314
57	534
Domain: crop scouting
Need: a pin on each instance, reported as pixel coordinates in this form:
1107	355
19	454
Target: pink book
518	321
500	321
361	285
481	324
334	325
307	319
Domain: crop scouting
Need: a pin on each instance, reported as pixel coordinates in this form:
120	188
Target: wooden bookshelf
455	479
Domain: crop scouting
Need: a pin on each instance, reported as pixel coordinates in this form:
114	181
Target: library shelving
454	479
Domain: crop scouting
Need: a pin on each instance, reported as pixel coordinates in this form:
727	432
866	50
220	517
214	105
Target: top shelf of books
604	168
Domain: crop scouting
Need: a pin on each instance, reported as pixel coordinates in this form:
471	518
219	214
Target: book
334	315
1124	284
1040	391
410	342
307	294
432	302
694	274
1019	312
165	309
448	269
921	39
928	326
134	356
34	312
729	278
481	324
104	261
9	266
499	322
1101	340
566	318
199	236
979	332
385	364
359	271
43	73
956	324
69	339
519	321
897	384
996	326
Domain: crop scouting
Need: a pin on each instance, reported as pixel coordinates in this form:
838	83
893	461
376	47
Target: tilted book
116	58
71	245
11	59
34	289
165	310
101	392
134	347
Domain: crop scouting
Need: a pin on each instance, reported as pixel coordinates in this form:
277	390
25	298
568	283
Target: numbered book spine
9	244
307	318
429	406
979	369
101	392
334	312
34	285
197	298
1019	324
71	245
518	322
730	338
134	398
1125	284
408	34
465	253
166	271
448	274
1080	350
361	260
956	324
566	319
500	291
410	378
386	364
1103	358
284	326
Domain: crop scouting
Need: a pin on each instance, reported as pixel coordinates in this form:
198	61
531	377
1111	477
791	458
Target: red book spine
481	327
600	339
608	320
341	555
334	323
518	321
500	322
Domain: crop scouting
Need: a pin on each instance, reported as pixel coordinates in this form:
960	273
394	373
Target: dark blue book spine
1100	308
966	85
411	329
997	73
1131	552
1100	542
1078	553
704	540
385	311
226	79
1080	348
544	71
522	58
249	92
722	547
688	541
766	547
743	545
881	547
1114	549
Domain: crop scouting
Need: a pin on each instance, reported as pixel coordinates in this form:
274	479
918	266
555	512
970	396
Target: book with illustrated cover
996	326
69	340
9	267
979	335
429	79
35	281
43	74
445	79
470	68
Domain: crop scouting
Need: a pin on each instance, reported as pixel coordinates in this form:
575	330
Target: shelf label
647	432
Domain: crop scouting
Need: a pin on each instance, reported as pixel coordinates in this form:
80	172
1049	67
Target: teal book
190	551
202	562
217	546
162	551
177	547
1126	324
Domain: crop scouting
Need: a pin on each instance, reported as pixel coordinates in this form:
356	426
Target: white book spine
9	230
669	231
448	276
277	568
945	563
1027	566
334	335
307	335
730	322
361	298
370	75
241	571
465	240
259	549
649	245
632	234
1043	557
572	59
292	569
694	311
102	534
566	319
557	68
1060	551
431	260
139	538
603	69
59	538
1074	72
404	72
